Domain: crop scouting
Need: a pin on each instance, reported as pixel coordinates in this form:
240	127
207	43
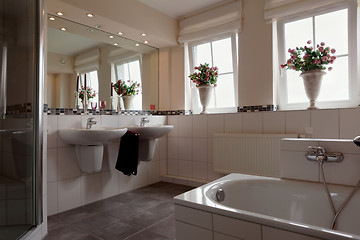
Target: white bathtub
269	205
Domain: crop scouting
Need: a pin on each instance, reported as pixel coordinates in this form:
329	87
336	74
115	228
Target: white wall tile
200	149
185	168
233	123
90	188
109	121
163	167
185	126
297	121
186	148
189	232
126	183
200	170
325	123
252	122
211	174
173	167
162	142
126	121
52	198
52	127
210	150
97	119
68	166
67	121
52	165
173	148
274	122
200	125
174	120
141	178
216	124
349	123
111	151
109	184
69	194
193	216
157	120
154	174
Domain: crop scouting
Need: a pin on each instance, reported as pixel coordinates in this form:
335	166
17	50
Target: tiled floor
145	213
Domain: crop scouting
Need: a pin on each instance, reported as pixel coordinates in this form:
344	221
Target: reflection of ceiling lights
143	34
111	36
137	44
89	14
115	44
60	13
63	29
146	42
120	33
90	30
51	18
98	26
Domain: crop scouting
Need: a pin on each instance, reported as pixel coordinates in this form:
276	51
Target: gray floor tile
67	232
95	222
117	231
144	219
146	235
165	228
163	210
104	205
75	214
54	223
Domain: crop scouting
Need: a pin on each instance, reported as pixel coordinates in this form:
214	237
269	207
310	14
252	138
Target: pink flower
321	49
333	51
309	42
293	67
331	61
330	68
289	61
282	66
317	61
325	58
293	56
305	56
215	85
333	58
322	44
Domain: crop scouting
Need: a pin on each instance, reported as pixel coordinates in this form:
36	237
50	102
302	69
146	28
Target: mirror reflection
76	52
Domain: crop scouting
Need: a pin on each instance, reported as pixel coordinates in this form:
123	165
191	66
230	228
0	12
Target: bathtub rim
198	199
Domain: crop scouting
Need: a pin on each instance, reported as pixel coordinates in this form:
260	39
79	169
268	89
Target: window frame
87	71
280	81
192	91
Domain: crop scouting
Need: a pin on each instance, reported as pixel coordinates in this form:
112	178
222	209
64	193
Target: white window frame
280	89
191	90
87	71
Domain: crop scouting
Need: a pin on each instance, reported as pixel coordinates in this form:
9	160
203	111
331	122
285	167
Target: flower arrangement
205	75
90	93
130	88
307	58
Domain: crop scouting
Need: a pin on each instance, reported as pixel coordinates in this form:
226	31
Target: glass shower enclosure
20	119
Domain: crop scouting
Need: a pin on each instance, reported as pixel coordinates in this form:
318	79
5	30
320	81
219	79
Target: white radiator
257	154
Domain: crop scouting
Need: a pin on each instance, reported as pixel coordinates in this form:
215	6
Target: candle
85	80
111	88
77	83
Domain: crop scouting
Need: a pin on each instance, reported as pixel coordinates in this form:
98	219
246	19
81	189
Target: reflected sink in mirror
95	136
151	132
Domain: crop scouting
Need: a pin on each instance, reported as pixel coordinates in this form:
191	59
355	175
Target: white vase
85	105
312	83
118	108
128	101
205	93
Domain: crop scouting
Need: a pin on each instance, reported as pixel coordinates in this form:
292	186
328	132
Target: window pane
202	54
298	33
295	87
135	71
224	92
332	28
222	55
335	84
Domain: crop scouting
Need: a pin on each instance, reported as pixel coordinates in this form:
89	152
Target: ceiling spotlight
115	44
146	42
89	14
111	36
51	18
63	29
60	13
120	33
137	44
143	34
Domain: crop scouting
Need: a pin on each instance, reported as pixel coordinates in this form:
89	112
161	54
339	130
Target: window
221	53
130	70
337	28
92	82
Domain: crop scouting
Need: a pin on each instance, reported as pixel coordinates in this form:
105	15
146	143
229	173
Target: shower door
19	120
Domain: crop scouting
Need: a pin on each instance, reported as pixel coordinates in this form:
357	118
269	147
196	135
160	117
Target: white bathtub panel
277	234
193	216
237	228
189	232
297	144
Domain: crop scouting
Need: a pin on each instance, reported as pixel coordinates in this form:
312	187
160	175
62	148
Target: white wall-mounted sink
148	139
95	136
89	145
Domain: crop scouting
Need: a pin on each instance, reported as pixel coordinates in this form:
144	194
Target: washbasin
151	132
95	136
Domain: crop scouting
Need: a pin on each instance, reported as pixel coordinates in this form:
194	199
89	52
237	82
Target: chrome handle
3	81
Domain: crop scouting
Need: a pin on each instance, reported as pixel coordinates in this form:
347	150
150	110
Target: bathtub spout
357	141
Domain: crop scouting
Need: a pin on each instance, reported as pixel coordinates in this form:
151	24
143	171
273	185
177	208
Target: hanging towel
127	161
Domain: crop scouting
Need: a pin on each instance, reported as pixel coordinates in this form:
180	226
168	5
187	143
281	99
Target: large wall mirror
75	50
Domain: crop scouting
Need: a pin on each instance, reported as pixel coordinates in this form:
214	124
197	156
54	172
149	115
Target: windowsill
217	110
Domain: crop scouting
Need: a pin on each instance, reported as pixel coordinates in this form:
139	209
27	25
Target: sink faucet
90	122
143	121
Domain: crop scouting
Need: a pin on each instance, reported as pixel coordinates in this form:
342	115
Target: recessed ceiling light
51	18
143	34
115	44
146	42
60	13
120	33
63	29
111	36
89	14
137	44
90	30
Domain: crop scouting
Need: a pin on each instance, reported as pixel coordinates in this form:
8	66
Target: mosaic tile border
258	108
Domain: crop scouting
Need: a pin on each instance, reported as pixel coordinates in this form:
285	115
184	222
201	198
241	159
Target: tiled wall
69	188
190	144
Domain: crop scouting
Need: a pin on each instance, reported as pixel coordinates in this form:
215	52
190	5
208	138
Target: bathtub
265	209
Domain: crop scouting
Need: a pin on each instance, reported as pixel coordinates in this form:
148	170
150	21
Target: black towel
127	161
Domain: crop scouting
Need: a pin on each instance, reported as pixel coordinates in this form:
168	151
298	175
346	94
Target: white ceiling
180	8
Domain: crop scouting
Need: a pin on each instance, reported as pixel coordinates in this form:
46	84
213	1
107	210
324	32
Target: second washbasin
151	132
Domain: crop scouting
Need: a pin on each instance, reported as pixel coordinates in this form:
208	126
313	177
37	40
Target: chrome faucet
320	155
357	141
143	121
90	122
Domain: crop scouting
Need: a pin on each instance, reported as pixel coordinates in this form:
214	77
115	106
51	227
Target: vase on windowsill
205	94
128	101
312	84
